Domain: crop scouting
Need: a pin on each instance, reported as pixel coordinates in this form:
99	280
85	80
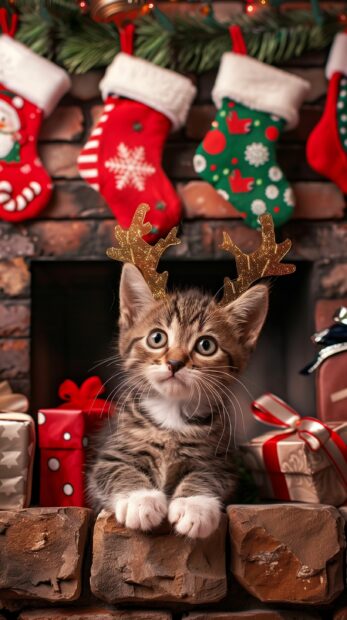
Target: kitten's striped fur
168	450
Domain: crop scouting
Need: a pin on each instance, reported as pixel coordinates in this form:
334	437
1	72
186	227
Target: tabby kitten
167	453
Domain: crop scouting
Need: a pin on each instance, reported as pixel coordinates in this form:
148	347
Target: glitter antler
265	261
132	248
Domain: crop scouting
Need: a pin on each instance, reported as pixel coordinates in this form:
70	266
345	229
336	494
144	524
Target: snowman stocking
30	87
122	158
255	103
327	144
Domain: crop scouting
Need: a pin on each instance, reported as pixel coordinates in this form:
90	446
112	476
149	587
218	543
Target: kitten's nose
175	365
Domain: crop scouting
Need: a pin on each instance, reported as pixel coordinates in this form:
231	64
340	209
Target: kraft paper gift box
330	363
17	449
305	461
331	389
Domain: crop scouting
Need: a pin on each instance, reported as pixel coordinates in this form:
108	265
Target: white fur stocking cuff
163	90
31	76
260	87
337	61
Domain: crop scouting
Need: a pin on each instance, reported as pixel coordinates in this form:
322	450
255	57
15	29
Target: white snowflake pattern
271	192
130	167
288	197
275	173
223	193
257	154
258	207
199	163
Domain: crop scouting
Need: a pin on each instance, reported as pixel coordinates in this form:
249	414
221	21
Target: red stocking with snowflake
30	87
327	144
122	158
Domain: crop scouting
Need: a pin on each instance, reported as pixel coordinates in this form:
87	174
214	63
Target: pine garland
187	44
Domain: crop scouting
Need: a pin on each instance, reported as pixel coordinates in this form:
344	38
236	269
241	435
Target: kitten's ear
134	295
248	313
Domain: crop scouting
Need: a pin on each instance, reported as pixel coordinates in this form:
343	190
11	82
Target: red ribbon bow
84	397
318	436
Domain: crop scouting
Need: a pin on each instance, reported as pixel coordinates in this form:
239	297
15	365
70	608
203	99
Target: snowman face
9	119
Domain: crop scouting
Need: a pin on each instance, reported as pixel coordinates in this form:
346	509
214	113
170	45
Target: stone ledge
255	614
288	553
41	553
275	558
93	613
129	566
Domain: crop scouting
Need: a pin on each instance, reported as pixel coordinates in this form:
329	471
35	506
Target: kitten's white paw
197	516
141	510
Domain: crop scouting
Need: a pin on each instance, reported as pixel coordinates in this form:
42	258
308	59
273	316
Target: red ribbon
237	41
318	436
8	24
84	397
126	38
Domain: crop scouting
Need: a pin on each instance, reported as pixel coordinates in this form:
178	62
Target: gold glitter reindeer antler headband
265	261
132	248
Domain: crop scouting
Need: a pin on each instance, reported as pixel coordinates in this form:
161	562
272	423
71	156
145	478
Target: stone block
131	566
14	319
14	276
14	356
60	160
253	614
93	613
288	553
41	553
65	123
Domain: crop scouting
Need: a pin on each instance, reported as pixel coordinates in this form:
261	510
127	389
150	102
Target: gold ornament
265	261
132	248
105	10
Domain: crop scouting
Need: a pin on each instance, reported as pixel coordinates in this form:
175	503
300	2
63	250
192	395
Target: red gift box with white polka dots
62	442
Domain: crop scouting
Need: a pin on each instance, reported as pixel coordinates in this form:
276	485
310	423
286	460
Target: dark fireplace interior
74	328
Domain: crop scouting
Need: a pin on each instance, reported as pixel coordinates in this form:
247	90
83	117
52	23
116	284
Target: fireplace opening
74	327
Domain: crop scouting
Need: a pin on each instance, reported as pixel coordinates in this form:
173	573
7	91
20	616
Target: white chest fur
173	414
165	412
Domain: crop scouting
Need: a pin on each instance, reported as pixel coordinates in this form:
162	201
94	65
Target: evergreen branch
36	34
91	46
191	45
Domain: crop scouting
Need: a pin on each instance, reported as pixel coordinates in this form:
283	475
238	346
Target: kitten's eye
157	339
206	345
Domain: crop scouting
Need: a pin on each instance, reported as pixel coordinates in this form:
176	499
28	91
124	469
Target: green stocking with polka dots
238	154
327	144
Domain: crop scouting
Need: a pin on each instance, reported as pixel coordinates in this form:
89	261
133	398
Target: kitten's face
186	346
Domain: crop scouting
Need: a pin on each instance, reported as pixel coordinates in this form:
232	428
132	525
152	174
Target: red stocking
122	159
327	144
30	87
